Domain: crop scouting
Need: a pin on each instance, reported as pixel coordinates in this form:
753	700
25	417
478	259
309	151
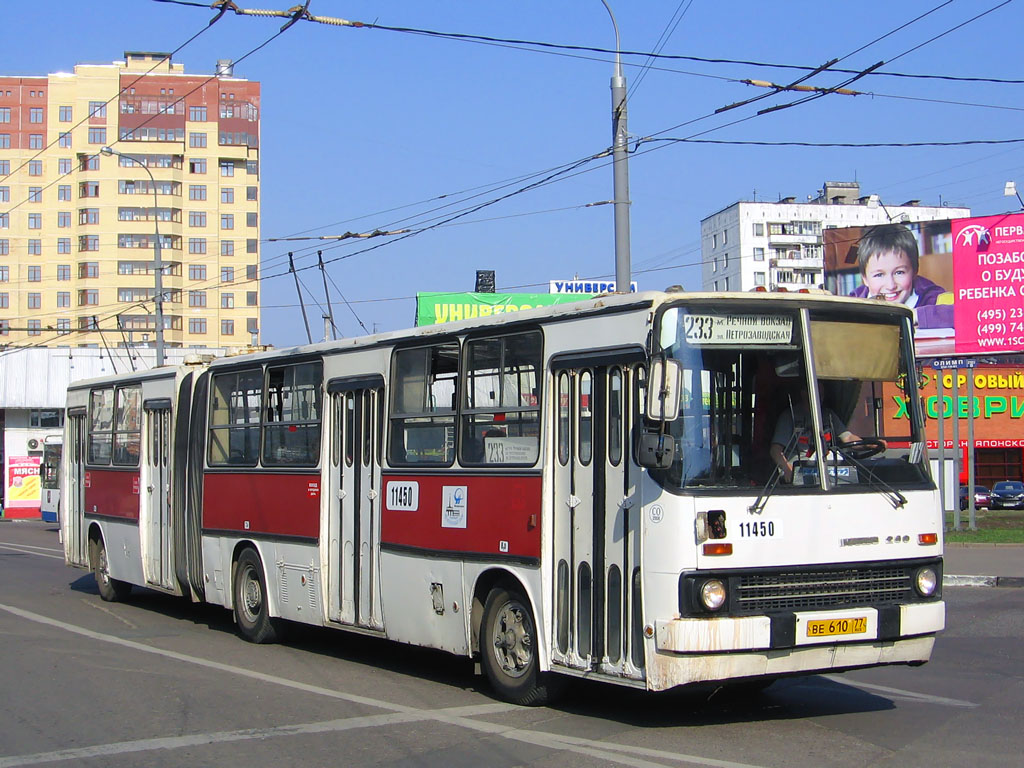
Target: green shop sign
432	308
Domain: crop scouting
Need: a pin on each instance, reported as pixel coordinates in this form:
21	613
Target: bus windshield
757	400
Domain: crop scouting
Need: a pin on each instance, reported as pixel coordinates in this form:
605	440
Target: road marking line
456	716
898	693
34	546
18	548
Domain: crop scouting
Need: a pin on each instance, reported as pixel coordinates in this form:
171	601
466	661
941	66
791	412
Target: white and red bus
581	490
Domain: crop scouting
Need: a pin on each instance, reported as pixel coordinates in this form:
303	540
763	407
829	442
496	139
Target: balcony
802	239
806	263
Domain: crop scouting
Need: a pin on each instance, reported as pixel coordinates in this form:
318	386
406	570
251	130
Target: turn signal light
927	538
717	548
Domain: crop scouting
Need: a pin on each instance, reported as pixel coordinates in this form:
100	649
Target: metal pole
620	166
940	406
972	520
955	392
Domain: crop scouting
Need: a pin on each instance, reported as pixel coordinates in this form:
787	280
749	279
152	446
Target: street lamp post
620	166
158	266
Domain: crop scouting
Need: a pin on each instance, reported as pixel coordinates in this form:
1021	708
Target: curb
982	581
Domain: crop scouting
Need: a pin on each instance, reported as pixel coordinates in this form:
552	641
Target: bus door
357	410
158	551
596	515
73	501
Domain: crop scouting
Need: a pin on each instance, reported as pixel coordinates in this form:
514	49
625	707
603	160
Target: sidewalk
984	565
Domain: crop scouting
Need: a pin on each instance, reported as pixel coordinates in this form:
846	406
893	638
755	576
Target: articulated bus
584	490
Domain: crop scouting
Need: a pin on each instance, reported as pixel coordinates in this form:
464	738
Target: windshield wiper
874	482
773	480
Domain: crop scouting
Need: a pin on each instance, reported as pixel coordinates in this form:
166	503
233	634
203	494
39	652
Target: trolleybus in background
578	490
49	479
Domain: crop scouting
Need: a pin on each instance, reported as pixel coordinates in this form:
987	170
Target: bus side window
291	432
234	435
423	404
101	425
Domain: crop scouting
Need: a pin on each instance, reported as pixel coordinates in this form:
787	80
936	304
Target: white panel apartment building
779	245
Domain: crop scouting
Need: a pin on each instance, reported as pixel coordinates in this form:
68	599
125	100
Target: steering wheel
862	449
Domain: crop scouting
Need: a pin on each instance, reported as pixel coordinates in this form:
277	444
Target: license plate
831	627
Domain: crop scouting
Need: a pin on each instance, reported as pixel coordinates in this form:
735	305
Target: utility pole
620	166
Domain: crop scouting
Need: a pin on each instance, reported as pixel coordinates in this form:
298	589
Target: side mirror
655	450
664	387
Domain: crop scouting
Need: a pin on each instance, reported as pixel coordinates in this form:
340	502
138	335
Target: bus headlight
712	594
925	581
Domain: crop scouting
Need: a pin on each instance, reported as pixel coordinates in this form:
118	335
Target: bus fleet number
758	529
403	496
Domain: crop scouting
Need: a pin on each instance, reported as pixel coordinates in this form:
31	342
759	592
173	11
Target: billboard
434	308
22	492
964	278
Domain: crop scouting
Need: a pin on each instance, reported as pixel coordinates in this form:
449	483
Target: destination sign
737	330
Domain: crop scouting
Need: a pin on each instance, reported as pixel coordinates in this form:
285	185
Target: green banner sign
434	308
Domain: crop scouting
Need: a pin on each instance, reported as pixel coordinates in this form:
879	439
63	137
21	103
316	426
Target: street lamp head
1010	189
107	151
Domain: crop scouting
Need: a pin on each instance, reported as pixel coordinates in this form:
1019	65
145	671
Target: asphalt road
160	682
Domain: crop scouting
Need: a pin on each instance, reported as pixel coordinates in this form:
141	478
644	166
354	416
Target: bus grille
807	590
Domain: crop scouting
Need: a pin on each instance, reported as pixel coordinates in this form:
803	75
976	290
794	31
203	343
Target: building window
35	167
64	139
197	114
97	109
63	329
35	141
5	114
35	221
251	245
251	271
252	167
4	274
88	189
227	221
197	192
33	325
63	219
227	327
197	298
758	229
197	218
88	215
35	114
88	269
35	274
227	195
5	301
5	194
250	298
5	220
63	192
227	274
196	245
714	241
64	166
759	254
89	297
63	245
35	300
35	194
227	247
197	140
227	301
5	247
35	247
5	141
197	272
97	135
5	327
88	242
63	272
251	193
227	167
251	219
759	278
197	325
64	298
64	114
197	165
88	162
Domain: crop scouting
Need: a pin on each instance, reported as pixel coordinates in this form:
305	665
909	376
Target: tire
508	650
252	613
111	590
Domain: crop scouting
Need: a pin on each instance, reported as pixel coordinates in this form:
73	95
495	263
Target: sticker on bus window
453	506
403	496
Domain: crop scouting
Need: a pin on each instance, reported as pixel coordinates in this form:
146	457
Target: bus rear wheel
111	590
509	652
252	612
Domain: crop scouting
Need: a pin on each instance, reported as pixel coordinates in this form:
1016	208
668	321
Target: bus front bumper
692	650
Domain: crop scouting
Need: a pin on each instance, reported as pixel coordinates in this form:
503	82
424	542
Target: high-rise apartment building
780	245
78	226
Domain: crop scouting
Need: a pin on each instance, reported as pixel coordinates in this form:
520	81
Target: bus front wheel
111	590
252	613
509	652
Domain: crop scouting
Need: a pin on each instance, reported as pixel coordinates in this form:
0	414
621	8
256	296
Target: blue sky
367	129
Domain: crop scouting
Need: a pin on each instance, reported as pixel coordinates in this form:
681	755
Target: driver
797	420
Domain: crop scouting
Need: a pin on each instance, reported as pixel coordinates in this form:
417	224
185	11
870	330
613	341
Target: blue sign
586	286
948	363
